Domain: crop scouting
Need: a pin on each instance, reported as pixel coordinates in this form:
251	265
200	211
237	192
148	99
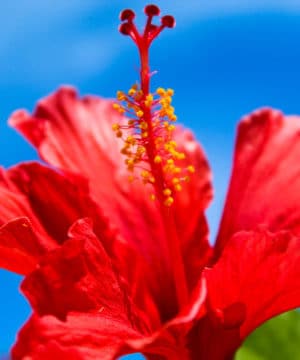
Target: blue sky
223	59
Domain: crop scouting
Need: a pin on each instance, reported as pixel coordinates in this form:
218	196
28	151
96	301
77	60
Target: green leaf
277	339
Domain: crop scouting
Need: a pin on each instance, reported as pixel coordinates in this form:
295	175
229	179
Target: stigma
150	152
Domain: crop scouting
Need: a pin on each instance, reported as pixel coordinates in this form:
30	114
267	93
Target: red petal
14	204
256	278
171	341
56	199
86	336
190	205
52	201
19	246
265	177
78	276
77	283
80	337
75	135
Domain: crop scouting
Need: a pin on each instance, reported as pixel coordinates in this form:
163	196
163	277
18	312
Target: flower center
151	152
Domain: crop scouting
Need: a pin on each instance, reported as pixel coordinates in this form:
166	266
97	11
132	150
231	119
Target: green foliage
277	339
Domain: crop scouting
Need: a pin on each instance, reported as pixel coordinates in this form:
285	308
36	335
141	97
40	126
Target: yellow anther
170	92
125	151
177	170
175	180
157	159
129	161
173	153
170	161
167	192
171	128
119	108
168	100
178	187
130	178
164	103
151	179
160	91
115	127
180	156
152	197
144	134
173	143
130	164
139	113
173	117
121	96
140	150
191	169
125	148
169	201
169	112
143	125
131	92
145	174
149	100
187	178
130	140
149	97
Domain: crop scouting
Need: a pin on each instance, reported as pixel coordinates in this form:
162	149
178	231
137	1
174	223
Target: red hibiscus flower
116	264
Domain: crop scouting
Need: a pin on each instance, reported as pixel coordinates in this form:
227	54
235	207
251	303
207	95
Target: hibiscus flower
112	237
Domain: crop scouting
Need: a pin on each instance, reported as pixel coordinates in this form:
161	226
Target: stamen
151	153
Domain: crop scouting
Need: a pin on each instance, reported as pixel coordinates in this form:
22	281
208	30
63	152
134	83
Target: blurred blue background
224	59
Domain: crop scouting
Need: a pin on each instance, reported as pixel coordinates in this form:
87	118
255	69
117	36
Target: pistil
149	145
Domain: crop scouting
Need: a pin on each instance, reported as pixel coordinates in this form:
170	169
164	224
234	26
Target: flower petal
19	246
84	336
256	278
52	201
68	278
82	310
265	178
56	199
75	135
81	337
14	204
170	341
190	205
